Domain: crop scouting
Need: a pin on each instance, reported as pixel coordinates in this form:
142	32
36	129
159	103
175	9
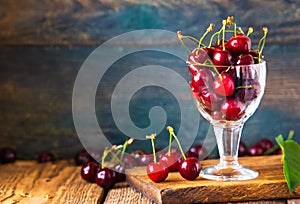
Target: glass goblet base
235	173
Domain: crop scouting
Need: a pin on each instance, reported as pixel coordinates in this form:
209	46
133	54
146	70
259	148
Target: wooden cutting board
270	184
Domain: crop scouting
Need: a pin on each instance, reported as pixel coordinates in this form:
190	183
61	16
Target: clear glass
227	114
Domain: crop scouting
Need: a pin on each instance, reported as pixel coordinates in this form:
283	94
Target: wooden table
60	182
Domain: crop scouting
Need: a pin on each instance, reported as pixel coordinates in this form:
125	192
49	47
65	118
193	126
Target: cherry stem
170	144
234	29
241	30
208	30
271	150
179	35
223	34
261	43
127	142
245	87
250	30
171	131
152	137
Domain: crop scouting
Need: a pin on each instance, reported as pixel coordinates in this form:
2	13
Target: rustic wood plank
86	22
29	182
127	196
270	184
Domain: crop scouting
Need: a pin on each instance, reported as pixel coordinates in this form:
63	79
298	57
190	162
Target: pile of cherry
222	88
106	175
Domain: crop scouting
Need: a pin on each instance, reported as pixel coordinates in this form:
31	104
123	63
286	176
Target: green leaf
291	161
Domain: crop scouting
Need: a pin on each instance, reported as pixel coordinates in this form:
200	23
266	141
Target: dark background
44	43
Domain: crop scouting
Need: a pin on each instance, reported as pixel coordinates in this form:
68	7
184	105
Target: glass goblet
227	108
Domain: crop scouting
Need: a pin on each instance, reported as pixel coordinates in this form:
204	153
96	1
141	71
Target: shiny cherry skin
198	55
45	157
232	109
249	91
120	172
145	159
241	44
190	168
242	149
245	59
210	99
202	79
255	150
88	171
105	177
129	161
265	144
157	172
172	161
224	85
222	58
197	151
7	155
82	157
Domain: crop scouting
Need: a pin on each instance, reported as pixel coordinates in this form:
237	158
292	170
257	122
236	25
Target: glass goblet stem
228	140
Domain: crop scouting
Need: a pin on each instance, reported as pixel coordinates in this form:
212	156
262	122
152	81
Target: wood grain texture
270	184
29	182
88	22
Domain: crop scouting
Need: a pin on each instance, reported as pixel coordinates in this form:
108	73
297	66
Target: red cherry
256	150
232	108
145	159
197	56
120	172
245	59
242	149
105	178
249	90
82	157
172	162
197	151
190	168
157	172
216	115
210	100
222	58
223	85
7	155
202	79
46	157
265	144
88	171
129	161
241	44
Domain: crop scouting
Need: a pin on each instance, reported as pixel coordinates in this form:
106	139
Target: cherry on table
197	151
82	157
45	157
120	172
105	177
265	144
255	150
157	172
129	161
7	155
190	168
242	149
171	161
88	171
